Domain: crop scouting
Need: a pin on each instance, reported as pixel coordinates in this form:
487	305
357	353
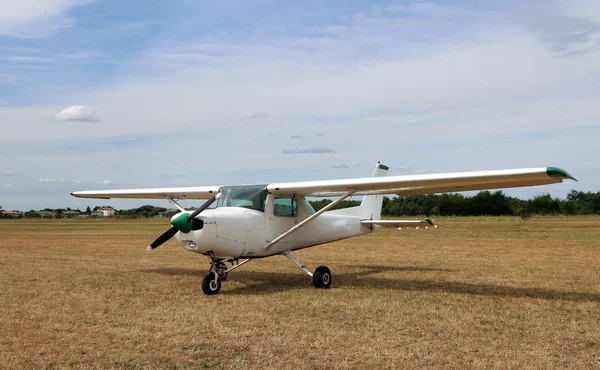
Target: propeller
184	223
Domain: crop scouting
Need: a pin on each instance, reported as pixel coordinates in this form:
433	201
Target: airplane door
283	215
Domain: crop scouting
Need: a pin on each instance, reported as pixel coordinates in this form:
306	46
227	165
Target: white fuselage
232	232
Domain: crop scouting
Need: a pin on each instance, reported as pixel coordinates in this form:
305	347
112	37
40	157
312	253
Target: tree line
481	204
484	203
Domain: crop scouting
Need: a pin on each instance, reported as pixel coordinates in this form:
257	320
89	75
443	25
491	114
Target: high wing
400	185
425	184
201	192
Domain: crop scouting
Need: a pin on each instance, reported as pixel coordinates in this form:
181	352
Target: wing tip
82	194
559	173
382	166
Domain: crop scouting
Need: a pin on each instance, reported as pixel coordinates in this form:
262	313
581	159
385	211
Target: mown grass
475	293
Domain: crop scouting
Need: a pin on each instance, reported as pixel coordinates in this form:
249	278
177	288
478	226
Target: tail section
370	207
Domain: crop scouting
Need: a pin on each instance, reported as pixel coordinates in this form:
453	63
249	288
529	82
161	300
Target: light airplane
257	221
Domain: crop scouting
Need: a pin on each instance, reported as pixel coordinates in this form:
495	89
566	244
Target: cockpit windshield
247	196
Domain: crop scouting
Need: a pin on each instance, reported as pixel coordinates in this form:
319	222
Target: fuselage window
285	207
309	207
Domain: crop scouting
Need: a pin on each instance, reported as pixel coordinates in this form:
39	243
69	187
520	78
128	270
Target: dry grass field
475	293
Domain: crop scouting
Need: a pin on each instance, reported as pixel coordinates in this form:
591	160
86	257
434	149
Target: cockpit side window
285	207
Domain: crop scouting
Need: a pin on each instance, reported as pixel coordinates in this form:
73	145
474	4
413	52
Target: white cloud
10	173
308	151
45	180
257	115
584	164
26	59
434	10
105	182
79	113
33	18
82	55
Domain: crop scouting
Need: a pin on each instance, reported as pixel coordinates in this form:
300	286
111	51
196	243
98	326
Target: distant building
104	212
12	214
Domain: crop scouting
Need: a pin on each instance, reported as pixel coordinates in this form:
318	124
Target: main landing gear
211	284
322	276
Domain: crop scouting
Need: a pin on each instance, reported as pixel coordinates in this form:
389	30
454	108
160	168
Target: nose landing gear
211	284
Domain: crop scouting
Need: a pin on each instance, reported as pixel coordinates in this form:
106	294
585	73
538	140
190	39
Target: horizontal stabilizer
399	223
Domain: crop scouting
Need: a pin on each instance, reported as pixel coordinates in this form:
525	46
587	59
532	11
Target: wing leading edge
201	192
426	184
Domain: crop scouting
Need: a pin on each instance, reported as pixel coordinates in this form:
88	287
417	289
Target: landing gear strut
322	276
220	268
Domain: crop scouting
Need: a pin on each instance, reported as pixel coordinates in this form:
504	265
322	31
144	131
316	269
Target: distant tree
32	214
544	204
143	211
318	204
88	211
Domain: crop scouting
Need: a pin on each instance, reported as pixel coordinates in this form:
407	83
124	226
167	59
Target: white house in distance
104	212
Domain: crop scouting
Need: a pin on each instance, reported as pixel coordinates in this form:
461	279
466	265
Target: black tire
208	284
322	277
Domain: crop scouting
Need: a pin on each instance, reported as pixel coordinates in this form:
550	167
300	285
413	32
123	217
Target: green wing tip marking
427	221
559	173
383	167
181	223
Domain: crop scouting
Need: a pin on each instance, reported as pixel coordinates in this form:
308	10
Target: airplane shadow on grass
272	282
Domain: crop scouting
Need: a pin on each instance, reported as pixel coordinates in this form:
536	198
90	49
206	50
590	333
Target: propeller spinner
184	223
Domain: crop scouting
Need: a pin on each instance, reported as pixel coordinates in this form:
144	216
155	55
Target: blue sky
107	94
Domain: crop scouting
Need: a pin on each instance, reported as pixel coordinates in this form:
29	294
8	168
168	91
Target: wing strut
304	222
174	202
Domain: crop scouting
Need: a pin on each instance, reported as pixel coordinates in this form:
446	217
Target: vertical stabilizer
370	207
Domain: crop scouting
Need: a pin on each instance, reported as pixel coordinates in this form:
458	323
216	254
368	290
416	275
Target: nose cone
181	223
